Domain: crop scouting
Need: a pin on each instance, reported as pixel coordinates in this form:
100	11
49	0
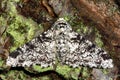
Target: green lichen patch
68	72
21	30
98	40
40	69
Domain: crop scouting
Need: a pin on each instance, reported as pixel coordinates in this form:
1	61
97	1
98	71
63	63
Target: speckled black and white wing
84	52
38	51
62	44
74	50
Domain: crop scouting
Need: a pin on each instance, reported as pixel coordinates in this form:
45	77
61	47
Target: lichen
21	30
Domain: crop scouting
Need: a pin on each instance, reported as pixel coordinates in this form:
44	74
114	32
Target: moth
60	43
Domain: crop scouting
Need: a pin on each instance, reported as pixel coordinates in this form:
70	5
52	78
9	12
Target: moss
68	72
1	62
2	77
21	30
40	69
98	40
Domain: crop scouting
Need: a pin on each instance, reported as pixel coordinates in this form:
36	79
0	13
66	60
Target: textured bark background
101	14
106	16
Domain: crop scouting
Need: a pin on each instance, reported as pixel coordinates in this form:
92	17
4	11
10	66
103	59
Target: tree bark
106	16
107	21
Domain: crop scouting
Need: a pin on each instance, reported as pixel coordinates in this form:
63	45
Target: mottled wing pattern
62	44
38	51
84	52
74	50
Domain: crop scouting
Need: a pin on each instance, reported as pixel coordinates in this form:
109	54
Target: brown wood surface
107	22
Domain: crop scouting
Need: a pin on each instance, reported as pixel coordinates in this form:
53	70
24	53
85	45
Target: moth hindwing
63	44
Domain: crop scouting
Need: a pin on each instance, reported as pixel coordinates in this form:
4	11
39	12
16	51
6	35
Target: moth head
61	25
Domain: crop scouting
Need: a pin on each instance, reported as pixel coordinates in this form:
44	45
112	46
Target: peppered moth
60	43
